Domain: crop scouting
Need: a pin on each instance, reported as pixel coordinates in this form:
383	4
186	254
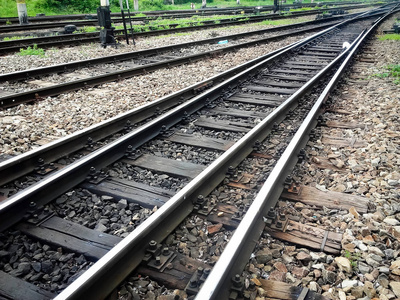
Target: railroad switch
96	177
197	280
43	169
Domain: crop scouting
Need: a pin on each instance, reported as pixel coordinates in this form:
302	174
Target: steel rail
19	75
5	45
169	13
15	99
108	272
22	164
241	244
14	45
12	28
13	208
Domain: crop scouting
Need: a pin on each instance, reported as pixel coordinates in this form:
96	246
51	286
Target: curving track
272	91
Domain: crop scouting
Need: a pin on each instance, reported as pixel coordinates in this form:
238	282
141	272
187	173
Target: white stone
376	251
375	162
342	295
349	283
343	264
391	221
318	266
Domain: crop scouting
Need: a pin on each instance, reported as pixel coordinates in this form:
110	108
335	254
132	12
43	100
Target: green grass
32	51
353	258
14	38
393	71
390	36
86	29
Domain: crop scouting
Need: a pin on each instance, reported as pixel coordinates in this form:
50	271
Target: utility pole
22	12
135	4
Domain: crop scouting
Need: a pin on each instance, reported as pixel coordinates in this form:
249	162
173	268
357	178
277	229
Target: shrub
83	6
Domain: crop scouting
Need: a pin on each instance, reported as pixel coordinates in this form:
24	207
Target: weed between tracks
14	38
393	71
353	258
32	51
86	29
390	36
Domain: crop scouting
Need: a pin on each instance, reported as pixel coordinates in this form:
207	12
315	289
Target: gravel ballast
27	126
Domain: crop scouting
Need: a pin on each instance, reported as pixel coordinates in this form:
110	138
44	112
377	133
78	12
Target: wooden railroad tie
310	236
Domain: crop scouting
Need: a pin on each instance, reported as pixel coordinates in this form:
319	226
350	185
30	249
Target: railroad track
138	62
79	38
267	101
171	13
141	62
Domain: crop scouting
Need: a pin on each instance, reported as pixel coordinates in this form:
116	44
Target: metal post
123	21
130	21
22	12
